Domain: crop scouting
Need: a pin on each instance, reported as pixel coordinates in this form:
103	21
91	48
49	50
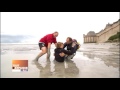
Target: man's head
55	34
69	40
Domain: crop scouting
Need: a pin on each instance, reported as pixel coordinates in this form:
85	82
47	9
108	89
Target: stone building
103	35
90	37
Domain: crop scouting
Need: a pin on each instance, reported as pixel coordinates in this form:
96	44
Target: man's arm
55	42
70	52
65	45
62	54
49	41
48	50
49	45
73	48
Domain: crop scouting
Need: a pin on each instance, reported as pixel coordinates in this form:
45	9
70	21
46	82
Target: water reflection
71	70
109	59
89	55
59	69
53	69
44	71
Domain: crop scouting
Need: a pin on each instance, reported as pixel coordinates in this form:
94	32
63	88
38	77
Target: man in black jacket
58	52
68	45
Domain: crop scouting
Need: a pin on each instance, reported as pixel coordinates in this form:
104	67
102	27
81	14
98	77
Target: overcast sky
38	24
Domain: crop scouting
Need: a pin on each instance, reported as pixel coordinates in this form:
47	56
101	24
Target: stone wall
108	31
89	39
103	35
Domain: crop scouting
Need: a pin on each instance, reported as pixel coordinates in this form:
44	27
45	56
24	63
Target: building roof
91	33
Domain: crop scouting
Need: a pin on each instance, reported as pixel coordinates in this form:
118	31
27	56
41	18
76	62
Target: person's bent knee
44	52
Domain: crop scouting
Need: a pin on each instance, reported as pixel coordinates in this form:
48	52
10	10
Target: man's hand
62	54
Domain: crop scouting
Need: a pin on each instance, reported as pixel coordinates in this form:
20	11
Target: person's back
48	38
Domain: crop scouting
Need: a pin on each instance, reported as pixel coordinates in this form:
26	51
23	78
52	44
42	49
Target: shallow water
91	61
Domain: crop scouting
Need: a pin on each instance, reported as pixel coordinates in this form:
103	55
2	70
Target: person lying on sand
60	53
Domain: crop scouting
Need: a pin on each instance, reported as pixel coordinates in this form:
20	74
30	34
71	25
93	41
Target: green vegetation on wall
116	36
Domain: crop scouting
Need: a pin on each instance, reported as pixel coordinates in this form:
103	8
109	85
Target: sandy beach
91	61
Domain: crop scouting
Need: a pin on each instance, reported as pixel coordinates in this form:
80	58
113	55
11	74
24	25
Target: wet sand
91	61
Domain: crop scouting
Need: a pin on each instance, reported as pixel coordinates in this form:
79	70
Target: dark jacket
69	47
57	51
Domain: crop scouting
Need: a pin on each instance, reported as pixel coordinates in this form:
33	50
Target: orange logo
19	65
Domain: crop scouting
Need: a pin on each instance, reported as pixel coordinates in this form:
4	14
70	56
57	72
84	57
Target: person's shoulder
49	34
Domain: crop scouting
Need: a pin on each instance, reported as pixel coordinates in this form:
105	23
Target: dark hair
59	44
70	39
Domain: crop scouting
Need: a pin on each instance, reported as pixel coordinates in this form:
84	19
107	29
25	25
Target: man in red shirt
45	44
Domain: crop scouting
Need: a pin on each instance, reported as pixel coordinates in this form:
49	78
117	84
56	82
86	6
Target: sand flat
91	61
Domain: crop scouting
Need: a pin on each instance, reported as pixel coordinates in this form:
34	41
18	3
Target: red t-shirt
48	39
